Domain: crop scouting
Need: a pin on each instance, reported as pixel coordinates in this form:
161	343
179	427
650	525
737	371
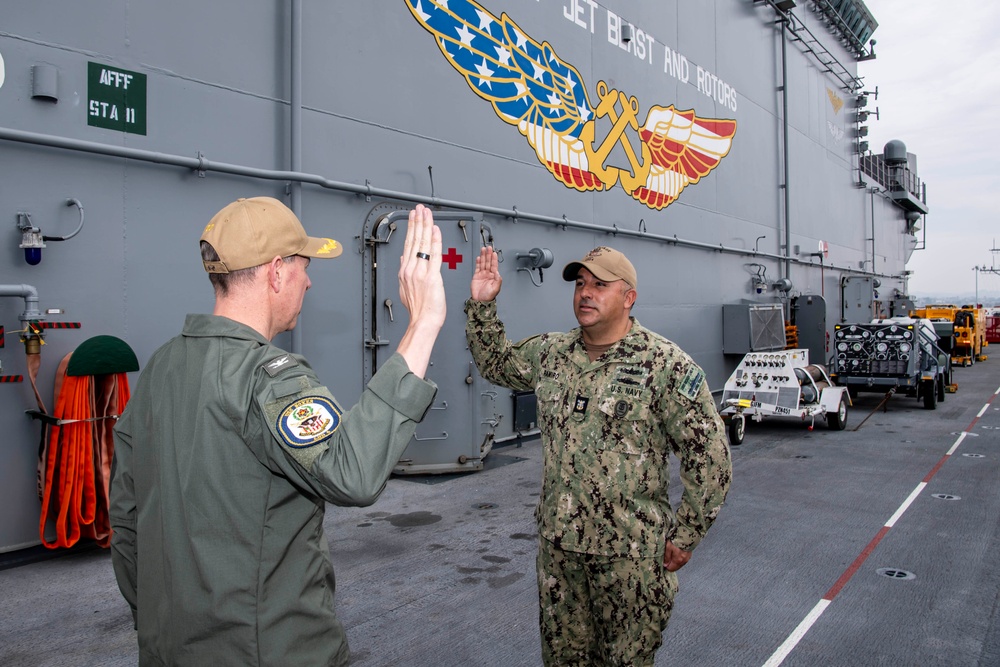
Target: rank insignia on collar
580	405
308	421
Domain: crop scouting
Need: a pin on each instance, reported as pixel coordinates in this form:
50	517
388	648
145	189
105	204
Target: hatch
457	431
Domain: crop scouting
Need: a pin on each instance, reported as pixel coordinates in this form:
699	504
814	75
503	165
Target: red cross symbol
451	258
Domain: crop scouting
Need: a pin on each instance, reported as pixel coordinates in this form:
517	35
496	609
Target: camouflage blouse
608	427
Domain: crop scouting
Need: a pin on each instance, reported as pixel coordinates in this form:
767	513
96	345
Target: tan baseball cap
251	232
606	264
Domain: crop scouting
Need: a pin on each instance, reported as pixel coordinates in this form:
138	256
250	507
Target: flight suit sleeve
122	511
511	365
345	457
697	438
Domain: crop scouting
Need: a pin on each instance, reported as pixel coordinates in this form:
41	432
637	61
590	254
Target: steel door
450	437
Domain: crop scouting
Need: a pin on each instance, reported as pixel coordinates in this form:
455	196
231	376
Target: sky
938	76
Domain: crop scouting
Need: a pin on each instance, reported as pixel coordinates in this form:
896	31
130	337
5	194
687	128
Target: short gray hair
224	282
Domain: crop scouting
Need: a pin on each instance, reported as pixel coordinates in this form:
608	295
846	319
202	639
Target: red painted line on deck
792	641
856	565
935	469
863	556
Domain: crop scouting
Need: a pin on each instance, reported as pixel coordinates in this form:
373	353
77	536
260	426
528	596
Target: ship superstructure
720	145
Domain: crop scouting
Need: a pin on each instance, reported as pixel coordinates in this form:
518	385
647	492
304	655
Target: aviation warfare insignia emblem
308	421
531	88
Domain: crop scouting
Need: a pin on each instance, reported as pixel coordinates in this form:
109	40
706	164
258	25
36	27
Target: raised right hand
486	281
421	289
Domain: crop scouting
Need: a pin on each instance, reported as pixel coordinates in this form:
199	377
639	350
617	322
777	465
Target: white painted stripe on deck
958	442
906	504
793	639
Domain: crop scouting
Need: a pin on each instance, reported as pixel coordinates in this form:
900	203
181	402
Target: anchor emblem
610	99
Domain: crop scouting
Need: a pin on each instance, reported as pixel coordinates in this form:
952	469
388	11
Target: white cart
781	384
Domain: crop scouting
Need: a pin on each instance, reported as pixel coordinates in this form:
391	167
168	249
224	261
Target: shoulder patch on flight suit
307	421
692	381
303	422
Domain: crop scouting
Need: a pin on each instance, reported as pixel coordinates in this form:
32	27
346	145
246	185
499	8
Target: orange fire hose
74	467
77	457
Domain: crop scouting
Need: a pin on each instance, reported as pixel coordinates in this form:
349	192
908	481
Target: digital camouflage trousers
601	610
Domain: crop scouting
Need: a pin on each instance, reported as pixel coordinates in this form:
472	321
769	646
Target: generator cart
781	384
900	353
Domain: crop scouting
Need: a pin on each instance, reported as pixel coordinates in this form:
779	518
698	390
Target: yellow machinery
970	335
937	311
962	330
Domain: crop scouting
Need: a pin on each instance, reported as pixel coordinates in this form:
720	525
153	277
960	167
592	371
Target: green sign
116	98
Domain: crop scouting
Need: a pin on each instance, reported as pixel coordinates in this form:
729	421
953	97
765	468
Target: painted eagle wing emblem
527	84
683	148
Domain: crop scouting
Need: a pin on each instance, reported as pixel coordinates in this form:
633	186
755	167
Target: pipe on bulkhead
784	122
871	194
30	296
295	132
201	164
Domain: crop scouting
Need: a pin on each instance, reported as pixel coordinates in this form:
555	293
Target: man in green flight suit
230	447
614	400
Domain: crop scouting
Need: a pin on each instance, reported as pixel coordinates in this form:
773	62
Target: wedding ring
423	255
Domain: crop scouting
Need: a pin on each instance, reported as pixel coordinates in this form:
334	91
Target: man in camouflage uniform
614	399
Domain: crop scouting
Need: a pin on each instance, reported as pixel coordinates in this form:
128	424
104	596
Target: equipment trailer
783	384
891	354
